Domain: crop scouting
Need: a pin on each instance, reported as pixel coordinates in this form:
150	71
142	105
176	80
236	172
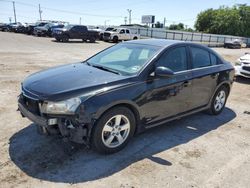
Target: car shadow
242	80
47	158
74	41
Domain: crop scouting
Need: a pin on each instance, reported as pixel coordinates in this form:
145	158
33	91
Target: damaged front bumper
69	127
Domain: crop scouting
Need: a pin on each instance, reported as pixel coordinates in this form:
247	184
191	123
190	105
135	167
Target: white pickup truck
118	34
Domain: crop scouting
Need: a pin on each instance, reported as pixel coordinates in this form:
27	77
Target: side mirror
163	72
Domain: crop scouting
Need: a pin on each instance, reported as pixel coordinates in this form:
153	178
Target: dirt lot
197	151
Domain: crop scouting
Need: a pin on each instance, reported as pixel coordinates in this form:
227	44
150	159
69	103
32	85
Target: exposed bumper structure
66	126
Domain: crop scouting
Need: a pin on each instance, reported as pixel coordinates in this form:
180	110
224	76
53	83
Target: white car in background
242	67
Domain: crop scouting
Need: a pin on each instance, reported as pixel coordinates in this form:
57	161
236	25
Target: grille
106	34
246	68
245	74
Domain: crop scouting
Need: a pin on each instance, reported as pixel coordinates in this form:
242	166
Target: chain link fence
211	40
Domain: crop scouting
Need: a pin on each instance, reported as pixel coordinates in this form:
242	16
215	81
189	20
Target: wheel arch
126	104
225	84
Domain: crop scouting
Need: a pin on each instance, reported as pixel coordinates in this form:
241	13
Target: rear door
205	73
127	36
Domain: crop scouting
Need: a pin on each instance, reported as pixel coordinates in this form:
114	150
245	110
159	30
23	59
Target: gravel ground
196	151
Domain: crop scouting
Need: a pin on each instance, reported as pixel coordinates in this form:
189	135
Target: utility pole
129	12
10	19
80	21
14	9
125	20
40	12
105	23
164	22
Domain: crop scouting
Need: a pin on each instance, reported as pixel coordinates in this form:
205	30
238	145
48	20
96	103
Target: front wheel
115	39
113	130
219	101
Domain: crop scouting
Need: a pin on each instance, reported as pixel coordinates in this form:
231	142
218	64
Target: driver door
168	96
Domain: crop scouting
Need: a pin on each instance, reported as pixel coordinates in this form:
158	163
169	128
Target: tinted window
122	31
200	57
127	31
175	59
213	59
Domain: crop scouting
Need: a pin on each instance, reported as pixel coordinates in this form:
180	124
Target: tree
225	20
179	26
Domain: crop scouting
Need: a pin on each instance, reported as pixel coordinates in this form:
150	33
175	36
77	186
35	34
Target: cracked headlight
61	107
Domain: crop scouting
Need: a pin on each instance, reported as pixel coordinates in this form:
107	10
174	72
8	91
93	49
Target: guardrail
211	40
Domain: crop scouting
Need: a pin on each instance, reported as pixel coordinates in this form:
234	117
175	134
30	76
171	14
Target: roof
155	42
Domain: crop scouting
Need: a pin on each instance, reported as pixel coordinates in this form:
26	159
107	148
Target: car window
200	57
175	59
213	59
125	58
122	31
127	31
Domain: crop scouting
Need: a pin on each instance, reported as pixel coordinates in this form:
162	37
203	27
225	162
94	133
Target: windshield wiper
104	68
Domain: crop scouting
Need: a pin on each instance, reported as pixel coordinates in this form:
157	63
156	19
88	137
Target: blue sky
95	12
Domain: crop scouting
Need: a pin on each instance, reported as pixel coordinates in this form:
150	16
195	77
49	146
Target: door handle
187	83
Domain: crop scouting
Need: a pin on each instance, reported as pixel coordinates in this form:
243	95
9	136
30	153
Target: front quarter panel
95	106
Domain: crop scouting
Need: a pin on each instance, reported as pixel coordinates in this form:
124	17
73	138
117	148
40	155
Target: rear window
214	60
201	57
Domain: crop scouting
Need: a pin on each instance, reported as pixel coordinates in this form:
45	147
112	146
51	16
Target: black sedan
125	89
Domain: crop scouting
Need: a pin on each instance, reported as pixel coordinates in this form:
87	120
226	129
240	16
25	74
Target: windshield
68	27
124	58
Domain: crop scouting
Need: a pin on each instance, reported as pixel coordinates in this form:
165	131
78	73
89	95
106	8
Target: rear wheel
135	38
92	39
219	101
113	130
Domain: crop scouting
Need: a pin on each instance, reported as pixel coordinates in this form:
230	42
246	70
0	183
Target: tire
135	38
115	39
58	40
65	38
92	39
101	37
108	135
218	102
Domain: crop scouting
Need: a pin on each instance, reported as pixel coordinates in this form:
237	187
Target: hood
68	81
111	32
41	28
59	29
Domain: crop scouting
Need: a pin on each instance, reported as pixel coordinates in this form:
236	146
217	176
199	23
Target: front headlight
61	107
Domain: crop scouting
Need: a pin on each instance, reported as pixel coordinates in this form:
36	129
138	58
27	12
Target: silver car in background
242	67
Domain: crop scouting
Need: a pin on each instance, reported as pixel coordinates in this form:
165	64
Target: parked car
75	32
125	89
242	68
30	27
233	44
16	27
7	27
102	32
46	30
119	34
3	26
